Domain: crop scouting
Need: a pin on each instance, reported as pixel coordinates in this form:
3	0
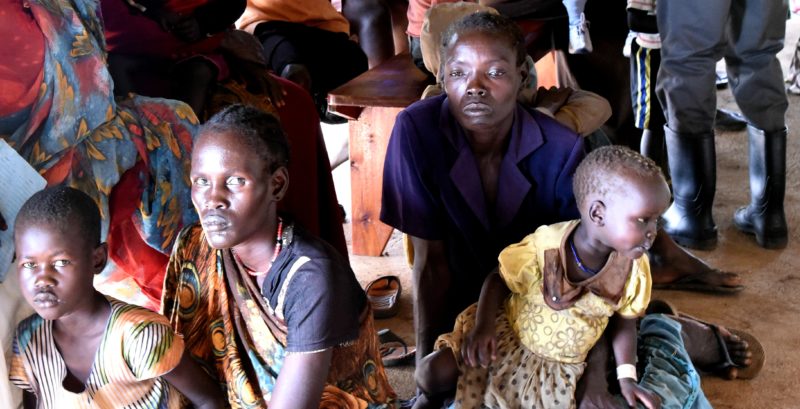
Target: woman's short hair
491	24
259	130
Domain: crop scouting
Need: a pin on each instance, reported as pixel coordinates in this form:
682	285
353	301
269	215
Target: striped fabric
647	112
137	348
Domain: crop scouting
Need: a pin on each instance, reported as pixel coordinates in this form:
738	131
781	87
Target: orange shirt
313	13
416	14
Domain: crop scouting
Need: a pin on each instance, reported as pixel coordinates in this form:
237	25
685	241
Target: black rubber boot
764	217
693	168
654	147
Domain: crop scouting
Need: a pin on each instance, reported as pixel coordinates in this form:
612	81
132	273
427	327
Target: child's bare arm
480	347
623	341
193	382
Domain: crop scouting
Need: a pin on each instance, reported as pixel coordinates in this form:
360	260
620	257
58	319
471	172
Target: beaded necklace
278	248
578	261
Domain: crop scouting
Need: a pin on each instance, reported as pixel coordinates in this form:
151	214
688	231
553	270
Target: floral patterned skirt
518	378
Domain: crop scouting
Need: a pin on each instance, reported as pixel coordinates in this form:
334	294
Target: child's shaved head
64	208
606	168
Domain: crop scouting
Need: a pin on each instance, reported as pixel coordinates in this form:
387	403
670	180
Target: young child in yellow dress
524	344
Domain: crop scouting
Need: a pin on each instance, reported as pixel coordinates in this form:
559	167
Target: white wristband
627	371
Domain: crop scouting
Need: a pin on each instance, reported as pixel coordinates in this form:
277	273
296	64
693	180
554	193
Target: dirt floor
764	308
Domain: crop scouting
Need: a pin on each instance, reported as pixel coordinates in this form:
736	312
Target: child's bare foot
727	353
674	268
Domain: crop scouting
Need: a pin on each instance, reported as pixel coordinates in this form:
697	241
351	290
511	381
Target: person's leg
756	33
793	77
332	59
672	267
574	10
399	10
692	41
647	111
371	20
436	377
704	348
668	369
329	60
579	40
298	74
191	81
282	49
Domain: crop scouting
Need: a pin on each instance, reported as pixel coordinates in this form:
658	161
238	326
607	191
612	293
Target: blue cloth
432	187
667	368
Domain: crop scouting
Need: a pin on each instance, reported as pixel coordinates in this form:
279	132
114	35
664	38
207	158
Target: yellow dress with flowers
548	324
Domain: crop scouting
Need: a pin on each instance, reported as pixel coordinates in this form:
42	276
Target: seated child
169	48
81	348
526	340
307	42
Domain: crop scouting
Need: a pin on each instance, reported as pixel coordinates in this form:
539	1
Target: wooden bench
371	102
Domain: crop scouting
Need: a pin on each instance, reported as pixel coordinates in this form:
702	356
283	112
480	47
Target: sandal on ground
699	282
394	351
383	294
726	368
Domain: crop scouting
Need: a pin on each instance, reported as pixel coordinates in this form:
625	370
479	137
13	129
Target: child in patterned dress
82	349
524	344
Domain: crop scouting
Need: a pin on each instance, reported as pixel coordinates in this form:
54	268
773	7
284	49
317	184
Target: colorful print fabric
138	347
75	133
226	325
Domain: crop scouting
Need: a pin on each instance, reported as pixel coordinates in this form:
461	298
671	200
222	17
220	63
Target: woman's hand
480	346
632	392
552	99
245	56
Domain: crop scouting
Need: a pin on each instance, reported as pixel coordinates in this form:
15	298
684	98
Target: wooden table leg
369	136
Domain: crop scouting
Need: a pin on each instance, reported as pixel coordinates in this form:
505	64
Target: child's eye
496	73
456	73
60	263
201	182
28	265
235	180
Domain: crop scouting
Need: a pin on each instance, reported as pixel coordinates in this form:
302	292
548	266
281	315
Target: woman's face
482	78
231	189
